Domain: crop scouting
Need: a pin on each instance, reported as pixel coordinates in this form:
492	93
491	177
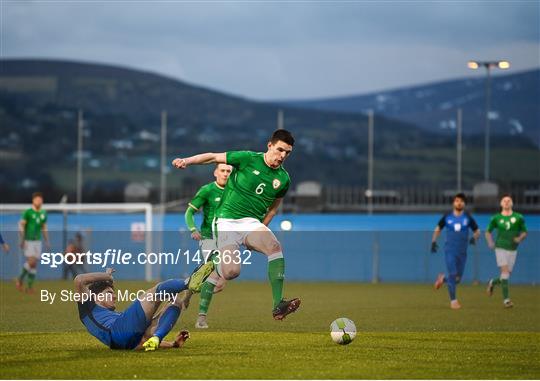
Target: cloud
280	50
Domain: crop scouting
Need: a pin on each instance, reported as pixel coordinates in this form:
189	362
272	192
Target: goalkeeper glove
434	247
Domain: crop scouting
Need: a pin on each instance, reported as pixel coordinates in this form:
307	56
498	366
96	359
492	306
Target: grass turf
405	331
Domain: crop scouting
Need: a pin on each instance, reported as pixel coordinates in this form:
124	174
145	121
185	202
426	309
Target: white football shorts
505	258
32	249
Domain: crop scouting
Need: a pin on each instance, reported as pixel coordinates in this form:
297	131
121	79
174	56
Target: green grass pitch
405	331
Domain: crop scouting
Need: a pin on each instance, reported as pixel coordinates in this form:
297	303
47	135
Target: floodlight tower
488	65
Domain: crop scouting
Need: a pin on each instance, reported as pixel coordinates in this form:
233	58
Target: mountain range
515	105
40	100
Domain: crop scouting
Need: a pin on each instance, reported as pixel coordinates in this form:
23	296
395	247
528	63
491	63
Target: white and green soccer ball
343	331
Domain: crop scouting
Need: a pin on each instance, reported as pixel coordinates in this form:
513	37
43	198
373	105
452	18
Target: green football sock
276	274
504	283
31	279
496	281
207	291
24	272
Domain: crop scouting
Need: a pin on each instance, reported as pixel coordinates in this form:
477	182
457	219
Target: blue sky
280	50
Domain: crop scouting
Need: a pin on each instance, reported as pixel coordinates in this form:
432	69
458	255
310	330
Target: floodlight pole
459	147
163	183
162	193
487	137
280	126
280	122
488	65
80	123
64	200
370	161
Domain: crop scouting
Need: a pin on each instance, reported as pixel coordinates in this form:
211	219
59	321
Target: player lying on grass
207	198
140	325
457	223
251	199
511	231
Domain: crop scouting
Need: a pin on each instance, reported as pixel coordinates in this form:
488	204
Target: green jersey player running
32	226
251	199
208	198
511	231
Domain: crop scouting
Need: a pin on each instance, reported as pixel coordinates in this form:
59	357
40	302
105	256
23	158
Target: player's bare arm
22	226
45	232
272	211
82	281
489	240
520	237
203	158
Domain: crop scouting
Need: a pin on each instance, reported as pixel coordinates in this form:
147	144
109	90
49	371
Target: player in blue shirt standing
457	223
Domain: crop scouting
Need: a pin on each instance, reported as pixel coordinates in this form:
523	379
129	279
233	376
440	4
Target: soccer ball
342	331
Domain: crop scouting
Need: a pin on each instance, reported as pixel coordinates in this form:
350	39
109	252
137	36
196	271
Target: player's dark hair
461	196
507	195
98	287
37	194
283	135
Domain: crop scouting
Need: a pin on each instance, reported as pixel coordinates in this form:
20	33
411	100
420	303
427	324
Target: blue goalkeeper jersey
457	231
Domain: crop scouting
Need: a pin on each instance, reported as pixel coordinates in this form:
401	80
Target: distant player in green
251	199
208	199
511	231
32	225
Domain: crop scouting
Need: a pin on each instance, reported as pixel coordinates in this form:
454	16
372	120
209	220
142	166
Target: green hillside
38	117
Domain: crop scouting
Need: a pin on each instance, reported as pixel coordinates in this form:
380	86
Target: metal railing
404	199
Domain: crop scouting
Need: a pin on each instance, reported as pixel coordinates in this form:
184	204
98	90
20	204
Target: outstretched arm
203	158
83	280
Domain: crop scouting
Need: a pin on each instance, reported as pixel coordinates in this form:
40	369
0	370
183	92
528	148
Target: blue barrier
319	248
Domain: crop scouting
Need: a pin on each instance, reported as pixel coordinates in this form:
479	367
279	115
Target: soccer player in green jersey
32	225
251	199
208	199
511	231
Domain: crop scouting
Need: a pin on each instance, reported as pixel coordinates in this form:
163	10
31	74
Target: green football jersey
508	228
34	222
252	187
208	197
